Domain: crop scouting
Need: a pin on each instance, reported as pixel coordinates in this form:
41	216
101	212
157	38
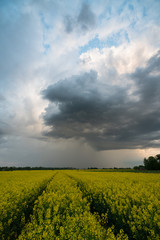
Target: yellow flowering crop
18	190
75	205
131	200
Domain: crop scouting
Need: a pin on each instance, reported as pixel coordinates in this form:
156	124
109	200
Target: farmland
72	204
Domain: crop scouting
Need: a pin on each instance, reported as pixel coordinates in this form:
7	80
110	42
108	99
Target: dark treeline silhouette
140	167
33	168
152	163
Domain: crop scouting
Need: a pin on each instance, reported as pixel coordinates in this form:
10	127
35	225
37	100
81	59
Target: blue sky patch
113	40
94	43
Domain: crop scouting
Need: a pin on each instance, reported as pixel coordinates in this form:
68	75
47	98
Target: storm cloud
107	117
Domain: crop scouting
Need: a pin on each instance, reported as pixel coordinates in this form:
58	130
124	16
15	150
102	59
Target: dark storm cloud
1	132
148	80
107	117
86	20
4	129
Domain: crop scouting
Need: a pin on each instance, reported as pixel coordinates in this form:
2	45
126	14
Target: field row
127	200
61	212
18	191
79	205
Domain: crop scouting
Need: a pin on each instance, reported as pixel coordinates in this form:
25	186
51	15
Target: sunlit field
77	204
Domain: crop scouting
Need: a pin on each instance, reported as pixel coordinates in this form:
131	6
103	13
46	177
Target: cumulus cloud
107	117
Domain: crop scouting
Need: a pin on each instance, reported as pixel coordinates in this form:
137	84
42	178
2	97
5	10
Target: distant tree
152	163
158	160
140	167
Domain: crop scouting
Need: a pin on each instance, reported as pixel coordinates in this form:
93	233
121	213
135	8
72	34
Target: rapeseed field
72	204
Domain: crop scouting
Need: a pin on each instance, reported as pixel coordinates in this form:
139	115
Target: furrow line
15	220
101	209
62	213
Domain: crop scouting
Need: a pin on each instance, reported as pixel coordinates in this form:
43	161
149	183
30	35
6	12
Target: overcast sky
79	82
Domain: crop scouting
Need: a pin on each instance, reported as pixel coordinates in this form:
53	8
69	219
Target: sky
79	82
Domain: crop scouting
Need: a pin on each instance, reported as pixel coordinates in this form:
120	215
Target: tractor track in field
99	207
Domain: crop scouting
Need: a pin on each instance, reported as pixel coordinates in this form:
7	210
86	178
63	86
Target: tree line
152	163
33	168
